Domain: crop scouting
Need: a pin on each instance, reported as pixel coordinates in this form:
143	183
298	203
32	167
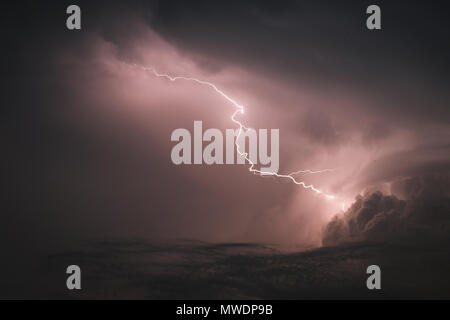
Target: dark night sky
85	139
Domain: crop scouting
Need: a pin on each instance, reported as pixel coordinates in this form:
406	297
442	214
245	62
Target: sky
85	131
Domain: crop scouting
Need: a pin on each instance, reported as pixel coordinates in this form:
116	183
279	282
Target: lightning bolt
310	171
239	109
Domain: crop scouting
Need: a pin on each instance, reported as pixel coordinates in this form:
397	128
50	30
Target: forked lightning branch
213	152
182	153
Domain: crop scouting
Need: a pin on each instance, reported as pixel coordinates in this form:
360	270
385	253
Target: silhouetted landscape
198	270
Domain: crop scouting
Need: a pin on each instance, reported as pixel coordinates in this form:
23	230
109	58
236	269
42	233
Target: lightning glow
240	110
310	171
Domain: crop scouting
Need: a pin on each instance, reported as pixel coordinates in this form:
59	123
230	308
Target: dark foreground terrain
191	270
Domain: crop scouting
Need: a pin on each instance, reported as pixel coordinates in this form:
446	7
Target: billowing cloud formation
421	215
87	134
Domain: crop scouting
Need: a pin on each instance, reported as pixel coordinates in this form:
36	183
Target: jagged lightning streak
310	171
240	110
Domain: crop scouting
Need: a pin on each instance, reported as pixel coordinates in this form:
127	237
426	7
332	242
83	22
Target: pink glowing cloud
318	130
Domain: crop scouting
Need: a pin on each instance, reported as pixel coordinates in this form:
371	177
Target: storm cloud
85	134
416	211
85	138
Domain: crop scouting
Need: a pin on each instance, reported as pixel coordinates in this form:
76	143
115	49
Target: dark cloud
320	129
325	44
342	97
85	137
423	215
